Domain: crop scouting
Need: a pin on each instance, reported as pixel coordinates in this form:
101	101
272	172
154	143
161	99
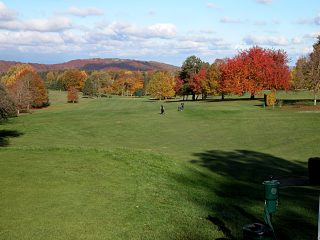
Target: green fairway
115	168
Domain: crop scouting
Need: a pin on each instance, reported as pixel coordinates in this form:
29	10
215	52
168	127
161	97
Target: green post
271	194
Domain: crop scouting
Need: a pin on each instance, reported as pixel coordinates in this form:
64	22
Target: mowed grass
114	168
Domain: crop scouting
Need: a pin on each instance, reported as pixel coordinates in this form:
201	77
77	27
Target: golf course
115	168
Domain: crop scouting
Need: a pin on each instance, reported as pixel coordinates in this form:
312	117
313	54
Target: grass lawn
114	168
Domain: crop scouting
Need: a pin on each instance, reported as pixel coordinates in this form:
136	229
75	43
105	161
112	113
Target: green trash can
257	231
271	194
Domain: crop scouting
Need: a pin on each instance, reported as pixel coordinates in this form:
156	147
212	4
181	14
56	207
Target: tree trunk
193	97
205	96
222	96
252	96
315	100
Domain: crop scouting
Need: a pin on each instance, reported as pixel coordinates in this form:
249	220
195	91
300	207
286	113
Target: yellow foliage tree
271	98
210	84
161	85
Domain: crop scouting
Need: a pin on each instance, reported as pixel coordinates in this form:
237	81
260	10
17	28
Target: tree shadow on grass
236	195
6	134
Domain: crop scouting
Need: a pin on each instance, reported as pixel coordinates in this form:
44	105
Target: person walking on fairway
162	109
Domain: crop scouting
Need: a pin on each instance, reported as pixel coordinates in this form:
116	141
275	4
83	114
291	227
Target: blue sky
168	31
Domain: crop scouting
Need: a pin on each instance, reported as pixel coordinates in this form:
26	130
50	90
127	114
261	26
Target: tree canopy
161	85
254	70
26	87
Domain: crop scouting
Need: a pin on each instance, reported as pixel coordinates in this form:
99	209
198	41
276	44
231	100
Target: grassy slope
116	168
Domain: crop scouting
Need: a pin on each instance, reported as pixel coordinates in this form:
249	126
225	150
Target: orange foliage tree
127	83
26	87
73	96
73	78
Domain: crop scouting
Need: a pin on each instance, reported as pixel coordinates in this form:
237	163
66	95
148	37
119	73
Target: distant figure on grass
161	109
181	108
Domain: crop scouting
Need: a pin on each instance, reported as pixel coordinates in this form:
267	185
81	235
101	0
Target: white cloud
162	30
29	38
85	12
72	38
264	1
118	30
42	25
6	13
268	41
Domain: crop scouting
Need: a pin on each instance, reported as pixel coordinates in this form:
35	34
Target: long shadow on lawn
237	197
6	134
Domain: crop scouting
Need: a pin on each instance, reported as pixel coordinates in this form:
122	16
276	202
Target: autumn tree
26	87
232	77
190	67
126	83
254	70
73	78
311	79
196	80
7	105
210	83
161	85
299	73
73	96
178	86
101	82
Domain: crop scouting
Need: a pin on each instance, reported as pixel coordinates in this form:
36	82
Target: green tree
190	67
100	82
90	88
53	81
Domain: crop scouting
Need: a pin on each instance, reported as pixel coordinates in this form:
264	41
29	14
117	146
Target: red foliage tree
254	70
196	79
178	85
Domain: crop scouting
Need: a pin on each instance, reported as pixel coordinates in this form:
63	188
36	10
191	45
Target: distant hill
97	64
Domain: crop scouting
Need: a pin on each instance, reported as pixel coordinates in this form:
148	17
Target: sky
55	31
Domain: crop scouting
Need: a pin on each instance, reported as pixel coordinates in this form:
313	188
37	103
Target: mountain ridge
96	64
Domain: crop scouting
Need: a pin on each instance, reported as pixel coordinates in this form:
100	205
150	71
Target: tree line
250	71
306	73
